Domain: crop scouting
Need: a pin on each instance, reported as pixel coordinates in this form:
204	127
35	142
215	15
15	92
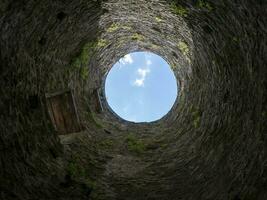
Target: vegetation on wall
78	172
90	117
158	19
179	10
183	48
138	37
113	28
135	145
196	115
203	4
116	26
82	60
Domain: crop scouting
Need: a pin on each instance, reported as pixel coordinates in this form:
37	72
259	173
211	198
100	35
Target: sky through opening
141	87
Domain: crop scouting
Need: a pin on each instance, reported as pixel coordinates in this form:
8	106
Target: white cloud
139	82
148	62
142	77
127	59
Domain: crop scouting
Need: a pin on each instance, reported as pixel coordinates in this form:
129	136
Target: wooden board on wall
62	110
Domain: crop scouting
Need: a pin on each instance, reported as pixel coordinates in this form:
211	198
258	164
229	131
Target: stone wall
211	145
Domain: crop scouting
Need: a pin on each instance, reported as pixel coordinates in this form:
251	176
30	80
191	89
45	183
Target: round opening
141	87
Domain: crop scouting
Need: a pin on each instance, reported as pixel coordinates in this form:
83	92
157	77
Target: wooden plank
57	112
73	109
62	111
51	113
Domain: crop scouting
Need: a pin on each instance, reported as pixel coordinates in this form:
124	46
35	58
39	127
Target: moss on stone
196	115
179	10
75	170
135	145
90	183
84	72
172	66
92	119
158	19
101	43
203	4
126	27
155	47
138	37
78	172
106	143
113	28
183	47
81	61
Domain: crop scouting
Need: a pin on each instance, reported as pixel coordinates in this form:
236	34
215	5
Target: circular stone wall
211	145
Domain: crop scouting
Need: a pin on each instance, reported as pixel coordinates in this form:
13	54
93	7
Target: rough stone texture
211	145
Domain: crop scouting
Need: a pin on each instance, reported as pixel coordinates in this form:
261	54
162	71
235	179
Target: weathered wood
62	111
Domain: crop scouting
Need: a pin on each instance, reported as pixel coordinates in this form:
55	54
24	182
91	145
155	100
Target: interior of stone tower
212	145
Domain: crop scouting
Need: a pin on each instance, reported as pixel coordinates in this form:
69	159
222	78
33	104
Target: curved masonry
211	145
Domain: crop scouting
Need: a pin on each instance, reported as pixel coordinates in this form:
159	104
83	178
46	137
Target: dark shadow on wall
36	39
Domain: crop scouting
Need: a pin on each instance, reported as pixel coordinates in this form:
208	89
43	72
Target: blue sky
141	87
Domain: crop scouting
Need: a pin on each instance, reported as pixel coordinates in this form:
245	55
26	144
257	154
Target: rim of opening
108	108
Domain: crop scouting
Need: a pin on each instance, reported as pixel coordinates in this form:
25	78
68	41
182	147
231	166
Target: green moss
85	73
101	43
75	170
163	146
91	119
158	19
135	145
236	39
138	37
179	10
155	47
107	143
183	48
196	114
113	28
90	183
81	61
172	66
126	27
203	4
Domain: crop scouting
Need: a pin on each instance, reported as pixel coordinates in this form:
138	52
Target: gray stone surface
211	145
